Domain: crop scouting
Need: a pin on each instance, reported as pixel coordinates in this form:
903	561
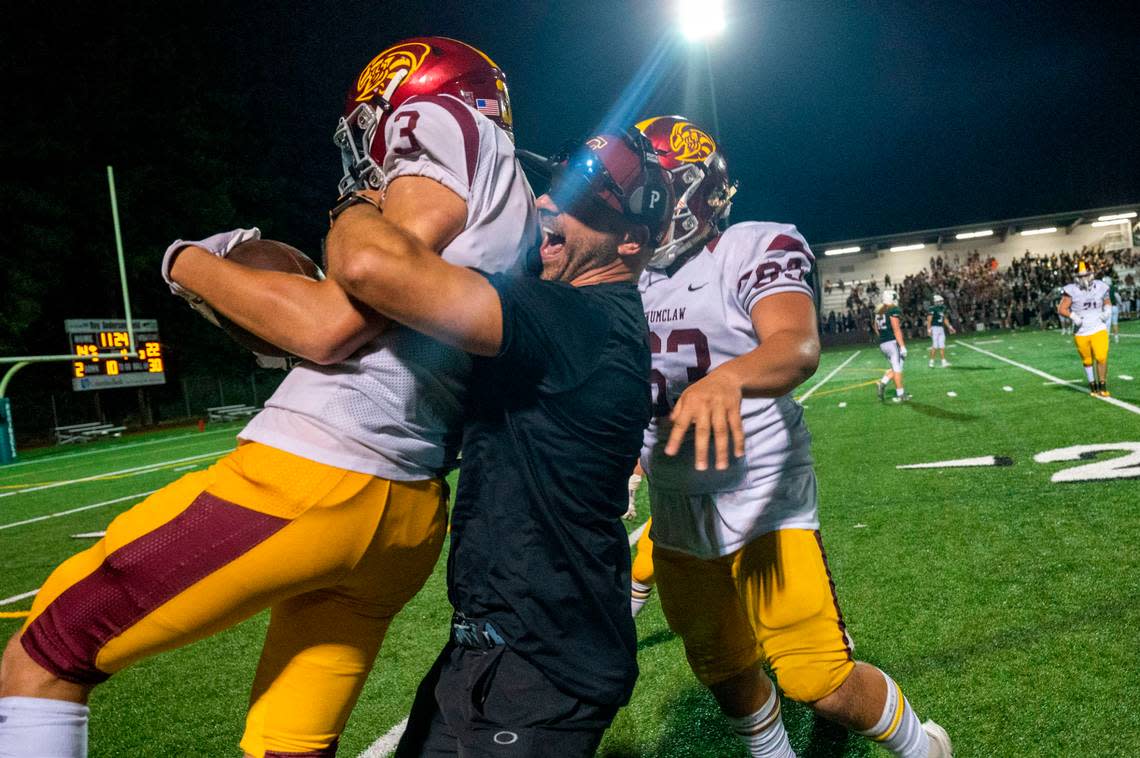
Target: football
269	255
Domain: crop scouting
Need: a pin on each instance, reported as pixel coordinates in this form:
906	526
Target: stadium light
700	19
904	248
1042	230
842	250
1110	222
1117	216
974	235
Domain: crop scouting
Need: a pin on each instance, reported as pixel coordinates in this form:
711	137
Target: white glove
220	245
902	352
1106	314
631	511
1076	320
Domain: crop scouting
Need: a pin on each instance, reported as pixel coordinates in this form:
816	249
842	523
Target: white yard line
1055	380
115	448
133	471
76	510
386	744
827	378
18	598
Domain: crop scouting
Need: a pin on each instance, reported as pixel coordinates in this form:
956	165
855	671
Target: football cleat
1103	392
880	390
930	363
945	363
901	398
940	746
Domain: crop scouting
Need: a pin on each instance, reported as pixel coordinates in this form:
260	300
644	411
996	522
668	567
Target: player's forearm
784	361
394	272
314	320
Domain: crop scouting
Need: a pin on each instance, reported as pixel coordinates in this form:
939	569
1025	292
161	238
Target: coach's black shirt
553	429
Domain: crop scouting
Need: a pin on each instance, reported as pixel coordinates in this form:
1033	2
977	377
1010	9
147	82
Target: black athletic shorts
491	702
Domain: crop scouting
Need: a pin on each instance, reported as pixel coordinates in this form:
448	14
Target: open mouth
553	243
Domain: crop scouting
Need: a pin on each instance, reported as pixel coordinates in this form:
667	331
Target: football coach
542	650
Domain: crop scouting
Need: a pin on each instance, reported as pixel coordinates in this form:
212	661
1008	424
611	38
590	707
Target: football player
1114	298
937	322
332	510
887	325
1086	302
738	557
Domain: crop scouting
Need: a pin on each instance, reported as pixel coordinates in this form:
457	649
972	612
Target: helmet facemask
688	231
354	135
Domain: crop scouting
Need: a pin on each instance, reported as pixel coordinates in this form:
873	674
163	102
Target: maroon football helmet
699	173
416	66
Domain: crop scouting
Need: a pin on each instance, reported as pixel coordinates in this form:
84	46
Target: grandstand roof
999	230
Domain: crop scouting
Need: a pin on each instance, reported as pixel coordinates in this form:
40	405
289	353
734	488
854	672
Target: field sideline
1003	599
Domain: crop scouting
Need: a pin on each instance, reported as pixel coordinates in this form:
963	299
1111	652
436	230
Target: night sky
846	118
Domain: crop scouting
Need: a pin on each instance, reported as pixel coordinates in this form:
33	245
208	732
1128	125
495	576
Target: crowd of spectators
980	295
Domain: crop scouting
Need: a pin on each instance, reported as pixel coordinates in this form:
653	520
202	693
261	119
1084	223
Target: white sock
35	726
638	596
1089	373
898	729
886	378
763	732
898	391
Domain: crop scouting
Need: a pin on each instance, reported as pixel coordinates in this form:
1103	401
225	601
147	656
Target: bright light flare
974	235
842	250
700	19
1109	222
1117	216
904	248
1042	230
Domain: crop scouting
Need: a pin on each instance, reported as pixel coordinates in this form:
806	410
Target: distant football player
887	325
1086	302
1115	299
739	560
542	651
332	510
937	322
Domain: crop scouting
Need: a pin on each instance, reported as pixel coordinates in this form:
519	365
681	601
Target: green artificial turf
1005	604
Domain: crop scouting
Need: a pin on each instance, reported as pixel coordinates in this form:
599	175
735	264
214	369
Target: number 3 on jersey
677	339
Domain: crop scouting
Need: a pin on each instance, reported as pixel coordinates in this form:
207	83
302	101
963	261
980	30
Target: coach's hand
709	405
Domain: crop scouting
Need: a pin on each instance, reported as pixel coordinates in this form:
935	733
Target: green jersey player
888	328
937	322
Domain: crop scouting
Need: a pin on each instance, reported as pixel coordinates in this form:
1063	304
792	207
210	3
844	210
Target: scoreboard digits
92	340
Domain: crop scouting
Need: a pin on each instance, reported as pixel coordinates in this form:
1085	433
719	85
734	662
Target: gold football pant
643	561
771	600
1093	347
334	553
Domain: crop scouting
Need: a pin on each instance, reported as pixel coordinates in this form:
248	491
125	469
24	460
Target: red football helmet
416	66
699	173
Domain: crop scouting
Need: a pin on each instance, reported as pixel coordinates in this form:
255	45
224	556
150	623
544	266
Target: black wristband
345	202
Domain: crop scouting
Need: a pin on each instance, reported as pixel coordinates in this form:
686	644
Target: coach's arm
376	260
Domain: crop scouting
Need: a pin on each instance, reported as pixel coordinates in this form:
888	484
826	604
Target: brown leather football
269	255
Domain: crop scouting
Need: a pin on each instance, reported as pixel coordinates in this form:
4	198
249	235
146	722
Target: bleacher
93	430
230	412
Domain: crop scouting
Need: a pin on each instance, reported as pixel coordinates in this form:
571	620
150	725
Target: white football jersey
1088	304
395	408
699	318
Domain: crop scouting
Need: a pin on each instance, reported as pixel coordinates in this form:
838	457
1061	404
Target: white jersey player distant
1087	302
332	512
738	556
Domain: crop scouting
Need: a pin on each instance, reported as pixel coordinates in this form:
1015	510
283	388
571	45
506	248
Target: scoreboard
93	339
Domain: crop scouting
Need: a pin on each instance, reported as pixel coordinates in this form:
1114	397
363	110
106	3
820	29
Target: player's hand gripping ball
268	255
